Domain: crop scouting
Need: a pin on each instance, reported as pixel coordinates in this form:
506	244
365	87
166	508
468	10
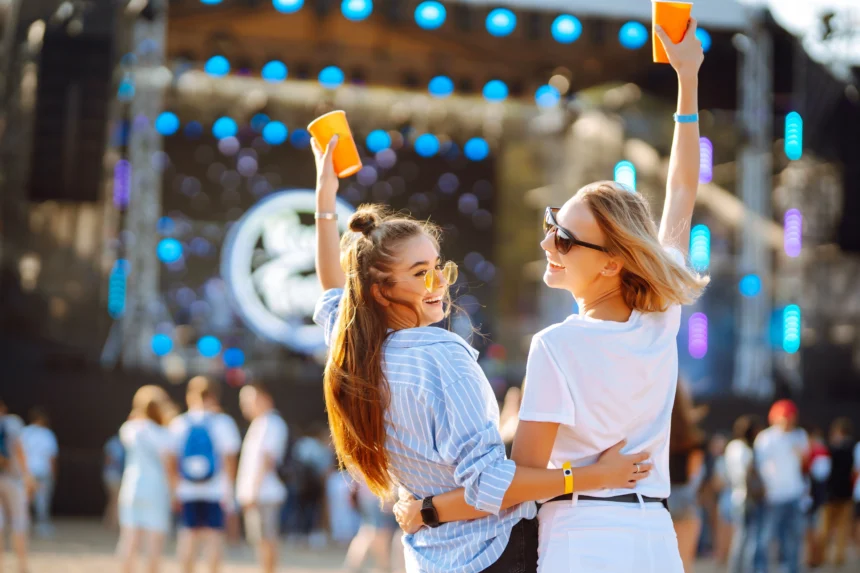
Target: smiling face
415	257
581	268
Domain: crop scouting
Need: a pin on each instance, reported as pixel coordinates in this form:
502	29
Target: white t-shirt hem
541	417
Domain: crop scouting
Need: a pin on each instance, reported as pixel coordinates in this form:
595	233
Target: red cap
782	409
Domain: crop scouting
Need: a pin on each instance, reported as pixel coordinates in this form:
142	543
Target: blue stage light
165	226
288	6
791	328
441	86
501	22
378	140
476	149
209	346
547	96
224	127
625	174
169	250
430	15
274	71
300	138
633	35
275	133
793	136
495	90
356	10
116	288
217	66
700	248
259	121
331	77
566	29
193	129
750	285
234	358
705	38
210	2
427	145
167	123
161	345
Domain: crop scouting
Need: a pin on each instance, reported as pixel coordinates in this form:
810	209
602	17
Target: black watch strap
429	515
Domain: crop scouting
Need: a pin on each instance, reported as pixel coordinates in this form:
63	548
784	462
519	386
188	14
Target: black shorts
521	553
202	515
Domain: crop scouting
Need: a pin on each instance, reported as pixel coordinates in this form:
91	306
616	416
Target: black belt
626	498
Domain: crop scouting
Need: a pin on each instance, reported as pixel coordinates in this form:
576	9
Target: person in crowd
816	468
721	520
686	470
259	490
407	401
747	553
41	449
610	371
145	490
205	448
232	520
15	486
341	509
113	466
375	537
837	511
314	464
779	454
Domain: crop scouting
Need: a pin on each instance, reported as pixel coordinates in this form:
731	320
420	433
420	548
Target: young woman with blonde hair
145	493
408	404
610	372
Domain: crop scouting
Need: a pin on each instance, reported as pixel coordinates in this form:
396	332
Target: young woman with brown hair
408	404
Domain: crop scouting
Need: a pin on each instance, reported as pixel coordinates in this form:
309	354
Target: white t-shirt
12	426
779	457
267	436
604	382
144	480
40	447
738	457
226	440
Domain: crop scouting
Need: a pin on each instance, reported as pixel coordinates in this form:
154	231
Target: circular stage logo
268	265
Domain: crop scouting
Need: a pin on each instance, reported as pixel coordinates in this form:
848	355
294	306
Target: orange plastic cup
673	18
346	159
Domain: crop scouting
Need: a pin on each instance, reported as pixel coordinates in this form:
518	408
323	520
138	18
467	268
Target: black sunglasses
564	239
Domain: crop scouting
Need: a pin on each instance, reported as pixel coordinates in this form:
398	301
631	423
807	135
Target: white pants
607	537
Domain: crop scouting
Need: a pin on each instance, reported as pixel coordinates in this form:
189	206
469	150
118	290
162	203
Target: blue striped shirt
443	434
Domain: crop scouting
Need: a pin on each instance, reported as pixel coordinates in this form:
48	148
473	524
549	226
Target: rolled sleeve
468	438
325	313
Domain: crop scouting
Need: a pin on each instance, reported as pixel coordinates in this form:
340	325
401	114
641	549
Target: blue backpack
199	462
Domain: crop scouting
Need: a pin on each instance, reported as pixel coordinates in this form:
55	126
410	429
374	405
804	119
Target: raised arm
683	180
328	266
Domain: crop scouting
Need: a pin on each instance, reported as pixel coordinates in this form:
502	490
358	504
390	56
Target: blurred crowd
771	492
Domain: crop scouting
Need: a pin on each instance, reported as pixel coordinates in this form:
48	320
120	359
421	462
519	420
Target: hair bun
364	221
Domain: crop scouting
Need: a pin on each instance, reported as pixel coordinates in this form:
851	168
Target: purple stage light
793	233
698	335
121	183
706	160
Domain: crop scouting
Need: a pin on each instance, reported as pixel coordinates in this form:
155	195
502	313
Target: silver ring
637	468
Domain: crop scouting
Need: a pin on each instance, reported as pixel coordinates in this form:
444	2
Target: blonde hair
150	402
355	388
651	278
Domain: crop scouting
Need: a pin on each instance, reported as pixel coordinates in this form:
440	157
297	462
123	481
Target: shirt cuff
490	487
553	417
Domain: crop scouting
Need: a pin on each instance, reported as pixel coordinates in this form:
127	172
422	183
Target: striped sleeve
467	437
325	313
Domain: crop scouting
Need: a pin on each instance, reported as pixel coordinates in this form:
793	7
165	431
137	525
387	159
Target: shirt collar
427	336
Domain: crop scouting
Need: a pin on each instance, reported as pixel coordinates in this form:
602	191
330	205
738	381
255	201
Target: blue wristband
692	118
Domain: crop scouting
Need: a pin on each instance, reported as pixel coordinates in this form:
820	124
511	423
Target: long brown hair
356	390
651	279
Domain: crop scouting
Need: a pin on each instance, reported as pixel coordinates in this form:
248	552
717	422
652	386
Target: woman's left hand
687	55
408	514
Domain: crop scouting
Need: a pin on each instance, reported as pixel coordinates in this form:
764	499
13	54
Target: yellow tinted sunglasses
450	272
